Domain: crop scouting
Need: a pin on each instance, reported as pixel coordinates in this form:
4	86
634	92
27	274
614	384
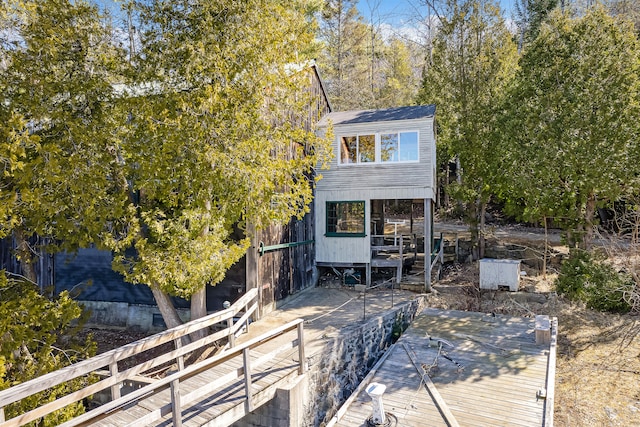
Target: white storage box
499	272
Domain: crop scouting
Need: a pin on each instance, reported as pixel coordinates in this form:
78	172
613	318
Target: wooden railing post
2	415
178	344
301	356
176	406
246	362
232	336
115	389
246	310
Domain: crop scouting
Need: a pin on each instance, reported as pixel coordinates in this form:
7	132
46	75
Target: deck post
176	407
427	245
115	389
178	344
246	363
2	415
301	349
401	265
232	336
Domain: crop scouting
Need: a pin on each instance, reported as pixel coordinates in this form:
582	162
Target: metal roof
386	115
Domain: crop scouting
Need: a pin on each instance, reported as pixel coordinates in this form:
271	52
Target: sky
403	12
395	12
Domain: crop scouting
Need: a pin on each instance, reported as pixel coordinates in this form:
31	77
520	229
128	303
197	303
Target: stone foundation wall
348	355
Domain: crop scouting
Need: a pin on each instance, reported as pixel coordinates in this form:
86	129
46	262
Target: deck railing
106	365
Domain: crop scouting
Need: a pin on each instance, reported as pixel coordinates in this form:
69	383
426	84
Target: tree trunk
25	256
168	311
198	310
481	240
590	211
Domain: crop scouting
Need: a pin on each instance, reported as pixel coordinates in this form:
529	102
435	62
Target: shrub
586	277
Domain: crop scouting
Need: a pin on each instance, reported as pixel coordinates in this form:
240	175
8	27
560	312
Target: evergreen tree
345	61
212	138
569	130
473	58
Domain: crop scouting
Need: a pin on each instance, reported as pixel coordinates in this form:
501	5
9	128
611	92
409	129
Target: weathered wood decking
488	371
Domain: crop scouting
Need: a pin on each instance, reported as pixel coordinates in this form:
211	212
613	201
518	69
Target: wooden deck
483	371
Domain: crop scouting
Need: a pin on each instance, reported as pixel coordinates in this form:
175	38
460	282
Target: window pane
408	146
345	218
389	147
367	146
348	149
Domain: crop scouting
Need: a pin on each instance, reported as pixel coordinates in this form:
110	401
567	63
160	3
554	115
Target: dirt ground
598	360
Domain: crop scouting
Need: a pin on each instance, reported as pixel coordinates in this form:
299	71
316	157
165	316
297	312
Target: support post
180	359
301	356
232	336
176	406
427	245
246	361
115	389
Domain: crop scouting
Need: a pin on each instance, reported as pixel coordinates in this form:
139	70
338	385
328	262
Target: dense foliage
38	337
586	277
569	128
473	58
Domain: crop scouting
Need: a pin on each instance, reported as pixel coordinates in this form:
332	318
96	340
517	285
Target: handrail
177	377
247	304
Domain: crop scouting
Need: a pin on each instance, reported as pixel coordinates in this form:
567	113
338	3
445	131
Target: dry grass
598	364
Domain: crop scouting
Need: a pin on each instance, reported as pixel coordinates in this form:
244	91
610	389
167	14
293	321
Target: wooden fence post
302	367
178	344
247	378
232	335
115	389
176	407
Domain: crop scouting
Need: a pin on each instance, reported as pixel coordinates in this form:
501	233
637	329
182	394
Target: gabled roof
387	115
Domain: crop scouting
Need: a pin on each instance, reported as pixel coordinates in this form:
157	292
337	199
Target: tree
569	129
55	85
211	139
400	84
530	14
473	59
346	57
38	337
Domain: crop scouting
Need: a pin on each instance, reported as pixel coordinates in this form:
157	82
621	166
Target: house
379	155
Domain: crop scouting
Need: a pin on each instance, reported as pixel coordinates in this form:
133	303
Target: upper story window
379	148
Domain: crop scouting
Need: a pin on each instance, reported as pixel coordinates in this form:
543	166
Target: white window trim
378	159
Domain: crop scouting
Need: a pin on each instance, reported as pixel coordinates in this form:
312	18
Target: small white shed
499	272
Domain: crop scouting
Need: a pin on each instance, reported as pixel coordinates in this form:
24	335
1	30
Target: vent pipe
375	392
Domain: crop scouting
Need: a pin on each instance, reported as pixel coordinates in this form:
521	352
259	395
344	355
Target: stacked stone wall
348	355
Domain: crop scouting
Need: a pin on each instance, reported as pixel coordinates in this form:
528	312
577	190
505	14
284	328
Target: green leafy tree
54	121
473	58
212	139
570	126
400	84
530	14
38	337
